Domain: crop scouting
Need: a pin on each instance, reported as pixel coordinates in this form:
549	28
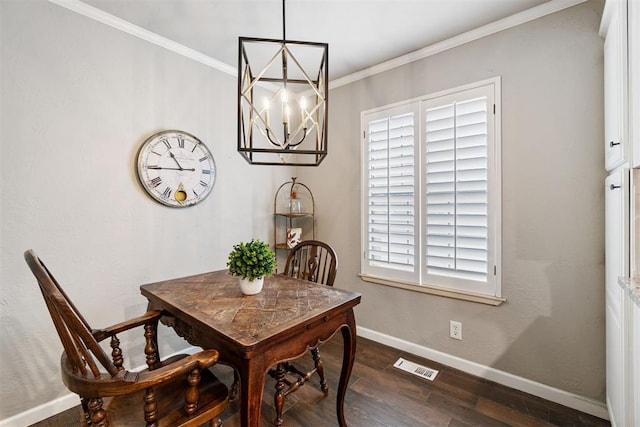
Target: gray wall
78	100
551	329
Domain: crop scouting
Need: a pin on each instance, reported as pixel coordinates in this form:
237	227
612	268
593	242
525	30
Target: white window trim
419	281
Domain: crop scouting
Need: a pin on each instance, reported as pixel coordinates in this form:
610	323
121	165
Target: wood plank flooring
381	395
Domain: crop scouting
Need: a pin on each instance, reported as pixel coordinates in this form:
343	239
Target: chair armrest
202	360
129	382
149	316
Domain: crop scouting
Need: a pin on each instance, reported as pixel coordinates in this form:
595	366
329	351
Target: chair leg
98	414
279	374
150	407
216	422
234	387
85	410
315	353
278	398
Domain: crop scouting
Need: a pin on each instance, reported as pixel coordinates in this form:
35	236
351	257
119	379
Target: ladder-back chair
179	391
317	262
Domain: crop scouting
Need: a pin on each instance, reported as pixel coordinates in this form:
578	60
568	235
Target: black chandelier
293	76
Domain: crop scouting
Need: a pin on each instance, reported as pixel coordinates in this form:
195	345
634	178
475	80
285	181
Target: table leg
348	357
252	378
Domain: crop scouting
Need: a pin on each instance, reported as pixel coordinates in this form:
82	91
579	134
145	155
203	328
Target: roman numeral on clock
156	181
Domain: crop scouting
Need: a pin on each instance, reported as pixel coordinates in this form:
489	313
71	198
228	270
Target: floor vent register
415	369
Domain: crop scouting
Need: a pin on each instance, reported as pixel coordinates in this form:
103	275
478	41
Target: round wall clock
176	168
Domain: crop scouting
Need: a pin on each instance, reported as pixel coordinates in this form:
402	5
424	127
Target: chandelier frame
253	121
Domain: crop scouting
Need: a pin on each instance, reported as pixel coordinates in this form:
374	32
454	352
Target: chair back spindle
185	393
81	347
314	261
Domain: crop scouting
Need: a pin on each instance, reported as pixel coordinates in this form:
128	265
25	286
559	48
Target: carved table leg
348	357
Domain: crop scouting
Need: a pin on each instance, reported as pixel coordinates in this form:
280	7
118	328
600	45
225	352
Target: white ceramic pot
251	287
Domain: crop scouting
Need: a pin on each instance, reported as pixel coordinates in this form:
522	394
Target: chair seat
170	401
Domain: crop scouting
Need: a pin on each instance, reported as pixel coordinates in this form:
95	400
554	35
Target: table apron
291	345
303	339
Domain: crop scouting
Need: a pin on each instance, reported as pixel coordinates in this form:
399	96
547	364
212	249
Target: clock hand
171	169
175	160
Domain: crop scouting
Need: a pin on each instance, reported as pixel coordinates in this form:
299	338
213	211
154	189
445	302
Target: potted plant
251	262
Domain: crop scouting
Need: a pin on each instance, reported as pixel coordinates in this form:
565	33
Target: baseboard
42	412
583	404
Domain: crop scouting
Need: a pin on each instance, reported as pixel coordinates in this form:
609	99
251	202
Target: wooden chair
317	262
179	391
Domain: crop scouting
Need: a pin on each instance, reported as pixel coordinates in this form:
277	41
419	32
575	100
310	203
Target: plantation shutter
456	162
431	193
391	192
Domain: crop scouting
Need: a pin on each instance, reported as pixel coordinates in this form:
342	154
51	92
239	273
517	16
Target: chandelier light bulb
285	107
303	112
287	111
266	106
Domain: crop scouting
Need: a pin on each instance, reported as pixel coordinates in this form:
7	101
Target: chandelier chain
284	29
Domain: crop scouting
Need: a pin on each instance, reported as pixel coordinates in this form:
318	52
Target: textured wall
551	329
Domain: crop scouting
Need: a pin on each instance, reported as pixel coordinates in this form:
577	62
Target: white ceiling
360	33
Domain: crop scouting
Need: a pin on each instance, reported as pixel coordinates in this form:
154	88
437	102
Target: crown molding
480	32
151	37
607	15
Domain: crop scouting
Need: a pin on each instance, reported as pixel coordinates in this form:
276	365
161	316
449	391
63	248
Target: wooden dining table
254	333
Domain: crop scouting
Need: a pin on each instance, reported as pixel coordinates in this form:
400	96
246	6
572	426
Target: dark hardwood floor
381	395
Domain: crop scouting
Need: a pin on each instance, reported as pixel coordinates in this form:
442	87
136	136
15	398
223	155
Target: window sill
465	296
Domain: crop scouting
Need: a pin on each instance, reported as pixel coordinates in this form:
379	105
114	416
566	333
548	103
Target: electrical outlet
455	329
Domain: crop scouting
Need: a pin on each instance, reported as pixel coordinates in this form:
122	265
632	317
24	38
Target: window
431	191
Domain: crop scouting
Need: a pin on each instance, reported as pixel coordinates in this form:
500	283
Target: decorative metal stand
293	207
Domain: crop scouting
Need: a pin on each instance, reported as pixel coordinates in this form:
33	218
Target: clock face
176	168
